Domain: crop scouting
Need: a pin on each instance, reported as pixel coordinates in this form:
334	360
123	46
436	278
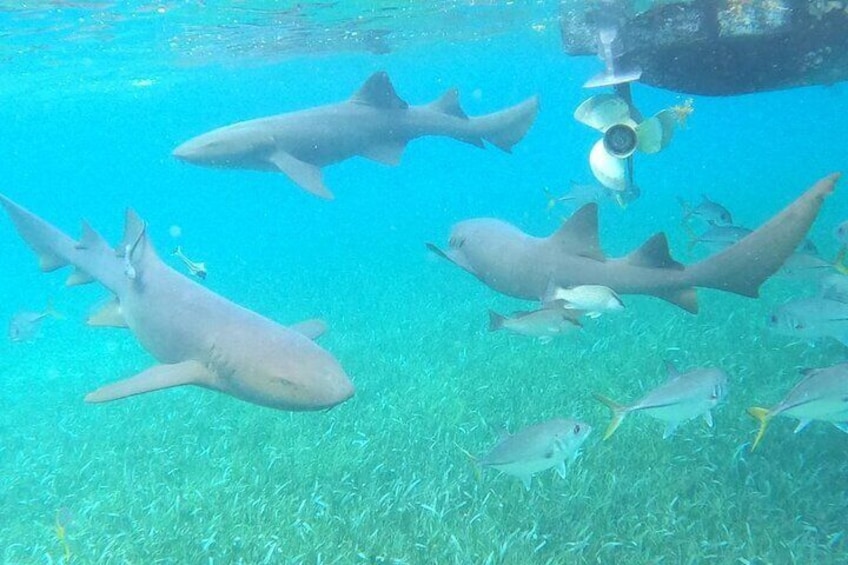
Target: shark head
496	253
233	146
291	372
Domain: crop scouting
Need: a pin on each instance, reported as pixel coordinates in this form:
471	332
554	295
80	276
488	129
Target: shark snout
190	151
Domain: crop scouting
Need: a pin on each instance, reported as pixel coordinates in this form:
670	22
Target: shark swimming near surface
198	337
516	264
374	123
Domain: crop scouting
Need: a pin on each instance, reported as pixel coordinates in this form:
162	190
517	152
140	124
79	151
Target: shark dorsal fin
579	234
90	239
449	104
133	233
379	92
134	247
654	254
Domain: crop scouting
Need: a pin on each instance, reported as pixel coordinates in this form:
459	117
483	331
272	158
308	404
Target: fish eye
773	319
799	325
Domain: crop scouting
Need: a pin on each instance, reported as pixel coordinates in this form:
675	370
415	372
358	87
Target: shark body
199	337
520	265
374	123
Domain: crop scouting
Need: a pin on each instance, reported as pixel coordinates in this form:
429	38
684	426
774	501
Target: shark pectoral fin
526	480
154	378
686	298
307	176
388	153
708	418
107	315
312	328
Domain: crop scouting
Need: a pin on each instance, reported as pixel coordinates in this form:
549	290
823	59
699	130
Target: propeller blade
609	170
655	133
602	111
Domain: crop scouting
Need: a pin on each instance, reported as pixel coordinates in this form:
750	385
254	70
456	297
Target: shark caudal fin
505	128
92	258
744	266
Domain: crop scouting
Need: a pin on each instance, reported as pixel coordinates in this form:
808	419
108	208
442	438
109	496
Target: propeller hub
620	140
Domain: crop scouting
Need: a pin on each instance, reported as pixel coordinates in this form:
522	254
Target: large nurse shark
519	265
374	123
198	337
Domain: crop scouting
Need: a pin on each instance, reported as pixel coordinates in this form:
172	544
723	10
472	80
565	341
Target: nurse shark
519	265
198	337
374	123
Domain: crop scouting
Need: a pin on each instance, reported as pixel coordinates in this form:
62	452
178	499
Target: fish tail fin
496	321
839	262
693	237
51	311
763	416
619	411
685	207
475	464
507	127
56	250
745	265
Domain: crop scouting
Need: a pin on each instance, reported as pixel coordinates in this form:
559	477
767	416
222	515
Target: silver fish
24	326
811	319
579	195
803	267
717	238
545	323
821	395
682	397
592	299
840	232
834	287
538	448
708	210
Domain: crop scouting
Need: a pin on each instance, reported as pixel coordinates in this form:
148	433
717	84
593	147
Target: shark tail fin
496	321
748	263
91	259
763	416
505	128
618	413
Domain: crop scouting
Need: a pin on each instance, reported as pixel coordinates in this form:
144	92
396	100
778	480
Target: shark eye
576	429
773	319
799	326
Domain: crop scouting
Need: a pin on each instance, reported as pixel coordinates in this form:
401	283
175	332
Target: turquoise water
194	476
